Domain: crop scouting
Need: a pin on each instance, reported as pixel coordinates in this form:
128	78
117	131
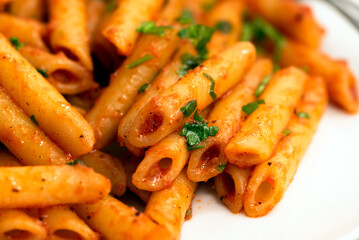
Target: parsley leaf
211	89
197	132
286	132
189	62
189	108
221	167
224	27
198	35
262	85
111	6
189	211
209	5
151	28
305	68
251	107
43	72
16	43
303	115
75	162
32	118
139	61
186	17
143	88
197	117
194	147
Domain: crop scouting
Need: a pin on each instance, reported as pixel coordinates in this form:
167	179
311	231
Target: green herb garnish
211	89
189	211
16	43
262	85
286	132
189	62
194	147
251	107
224	27
43	72
143	88
189	108
305	68
303	115
186	17
32	118
139	61
75	162
209	5
197	132
111	6
221	167
151	28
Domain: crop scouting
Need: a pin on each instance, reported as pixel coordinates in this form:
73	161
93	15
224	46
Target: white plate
322	202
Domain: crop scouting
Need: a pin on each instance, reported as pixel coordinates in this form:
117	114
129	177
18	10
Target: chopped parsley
143	88
209	5
189	211
32	118
16	43
75	162
43	72
189	62
211	89
258	30
262	85
224	27
305	68
139	61
251	107
221	167
303	115
286	132
276	68
197	117
189	108
111	6
194	147
151	28
186	17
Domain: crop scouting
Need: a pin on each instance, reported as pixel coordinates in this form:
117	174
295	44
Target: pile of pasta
227	92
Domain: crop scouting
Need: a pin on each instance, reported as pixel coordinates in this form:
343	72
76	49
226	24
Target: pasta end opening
67	234
152	123
264	192
165	163
17	234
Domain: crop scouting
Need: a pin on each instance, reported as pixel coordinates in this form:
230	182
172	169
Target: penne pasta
117	98
24	138
66	75
68	30
28	31
102	215
94	12
16	224
56	117
260	133
170	206
162	115
225	18
340	81
291	17
230	186
108	166
28	9
227	116
42	186
271	178
128	16
63	223
8	160
162	164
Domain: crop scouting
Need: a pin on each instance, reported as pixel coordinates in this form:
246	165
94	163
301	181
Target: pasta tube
291	17
62	223
162	115
94	12
24	139
169	206
28	9
121	27
68	30
56	117
134	225
115	101
225	17
162	164
270	179
110	167
8	160
16	224
66	75
27	31
340	81
230	186
260	133
41	186
227	116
